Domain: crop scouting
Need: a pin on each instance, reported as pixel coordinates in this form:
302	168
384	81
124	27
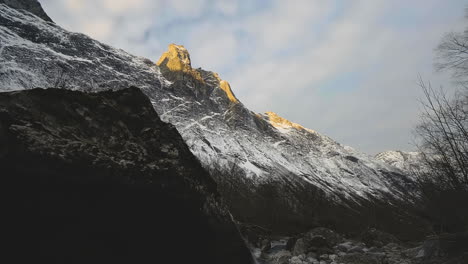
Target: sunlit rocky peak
177	59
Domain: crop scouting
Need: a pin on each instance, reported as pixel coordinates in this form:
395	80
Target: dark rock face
99	178
32	6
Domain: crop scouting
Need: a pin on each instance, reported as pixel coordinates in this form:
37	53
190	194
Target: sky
345	68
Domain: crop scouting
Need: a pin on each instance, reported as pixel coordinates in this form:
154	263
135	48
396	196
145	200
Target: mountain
270	171
99	178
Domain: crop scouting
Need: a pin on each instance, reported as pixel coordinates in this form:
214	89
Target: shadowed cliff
99	178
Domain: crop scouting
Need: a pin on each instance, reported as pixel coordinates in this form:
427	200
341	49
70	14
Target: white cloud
288	22
77	5
314	61
187	8
227	7
99	29
214	47
122	6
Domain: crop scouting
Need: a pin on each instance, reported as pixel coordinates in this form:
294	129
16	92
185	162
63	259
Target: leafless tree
443	139
443	135
452	55
443	143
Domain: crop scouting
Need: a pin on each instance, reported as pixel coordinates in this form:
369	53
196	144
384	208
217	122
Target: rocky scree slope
99	178
270	171
324	246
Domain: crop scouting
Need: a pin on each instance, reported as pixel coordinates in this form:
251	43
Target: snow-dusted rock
405	161
300	247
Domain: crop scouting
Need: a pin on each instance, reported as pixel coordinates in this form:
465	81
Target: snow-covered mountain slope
271	171
407	161
219	128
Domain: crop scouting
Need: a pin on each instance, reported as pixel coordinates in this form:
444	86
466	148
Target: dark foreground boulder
99	178
331	237
376	238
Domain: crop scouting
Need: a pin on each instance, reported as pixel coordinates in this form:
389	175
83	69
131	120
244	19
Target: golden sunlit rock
226	87
177	59
280	122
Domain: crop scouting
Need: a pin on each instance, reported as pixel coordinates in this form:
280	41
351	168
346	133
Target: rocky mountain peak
177	59
282	123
